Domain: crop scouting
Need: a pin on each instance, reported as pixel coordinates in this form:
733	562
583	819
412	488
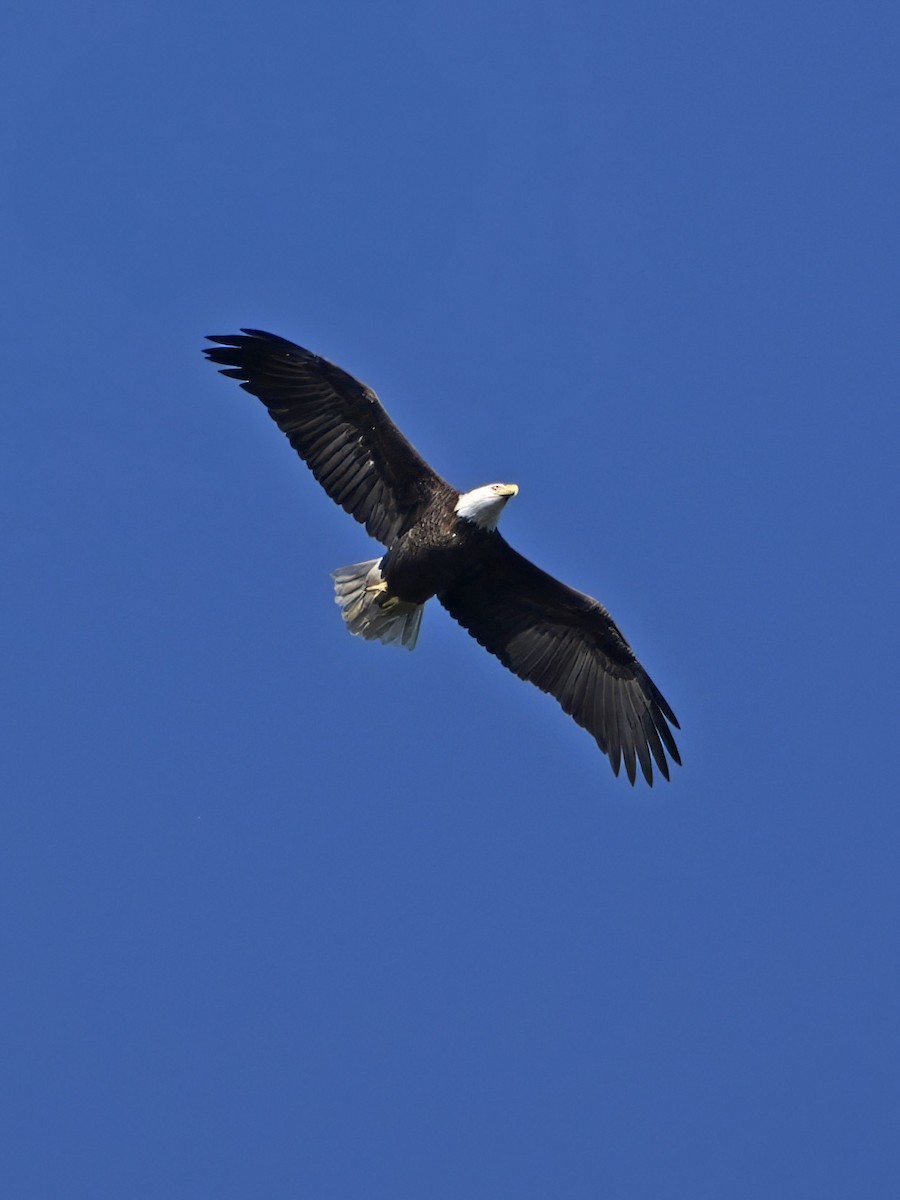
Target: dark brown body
440	550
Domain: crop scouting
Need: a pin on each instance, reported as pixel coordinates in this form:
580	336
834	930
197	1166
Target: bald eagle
444	543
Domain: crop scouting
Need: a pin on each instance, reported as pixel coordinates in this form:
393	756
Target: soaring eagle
444	543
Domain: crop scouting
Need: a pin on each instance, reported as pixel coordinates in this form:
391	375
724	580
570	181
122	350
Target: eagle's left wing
567	644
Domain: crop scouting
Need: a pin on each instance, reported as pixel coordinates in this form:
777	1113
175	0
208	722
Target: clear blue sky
285	914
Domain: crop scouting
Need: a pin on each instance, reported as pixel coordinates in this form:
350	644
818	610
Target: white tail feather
370	611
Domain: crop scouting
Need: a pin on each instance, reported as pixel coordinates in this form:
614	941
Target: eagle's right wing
338	427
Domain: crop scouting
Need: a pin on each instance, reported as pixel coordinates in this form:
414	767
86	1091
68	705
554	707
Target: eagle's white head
483	505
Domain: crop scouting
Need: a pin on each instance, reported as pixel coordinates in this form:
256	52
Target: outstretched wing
568	645
338	427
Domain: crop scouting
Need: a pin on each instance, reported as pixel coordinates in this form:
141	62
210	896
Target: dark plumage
440	542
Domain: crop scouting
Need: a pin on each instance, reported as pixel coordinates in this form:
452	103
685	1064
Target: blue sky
286	914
